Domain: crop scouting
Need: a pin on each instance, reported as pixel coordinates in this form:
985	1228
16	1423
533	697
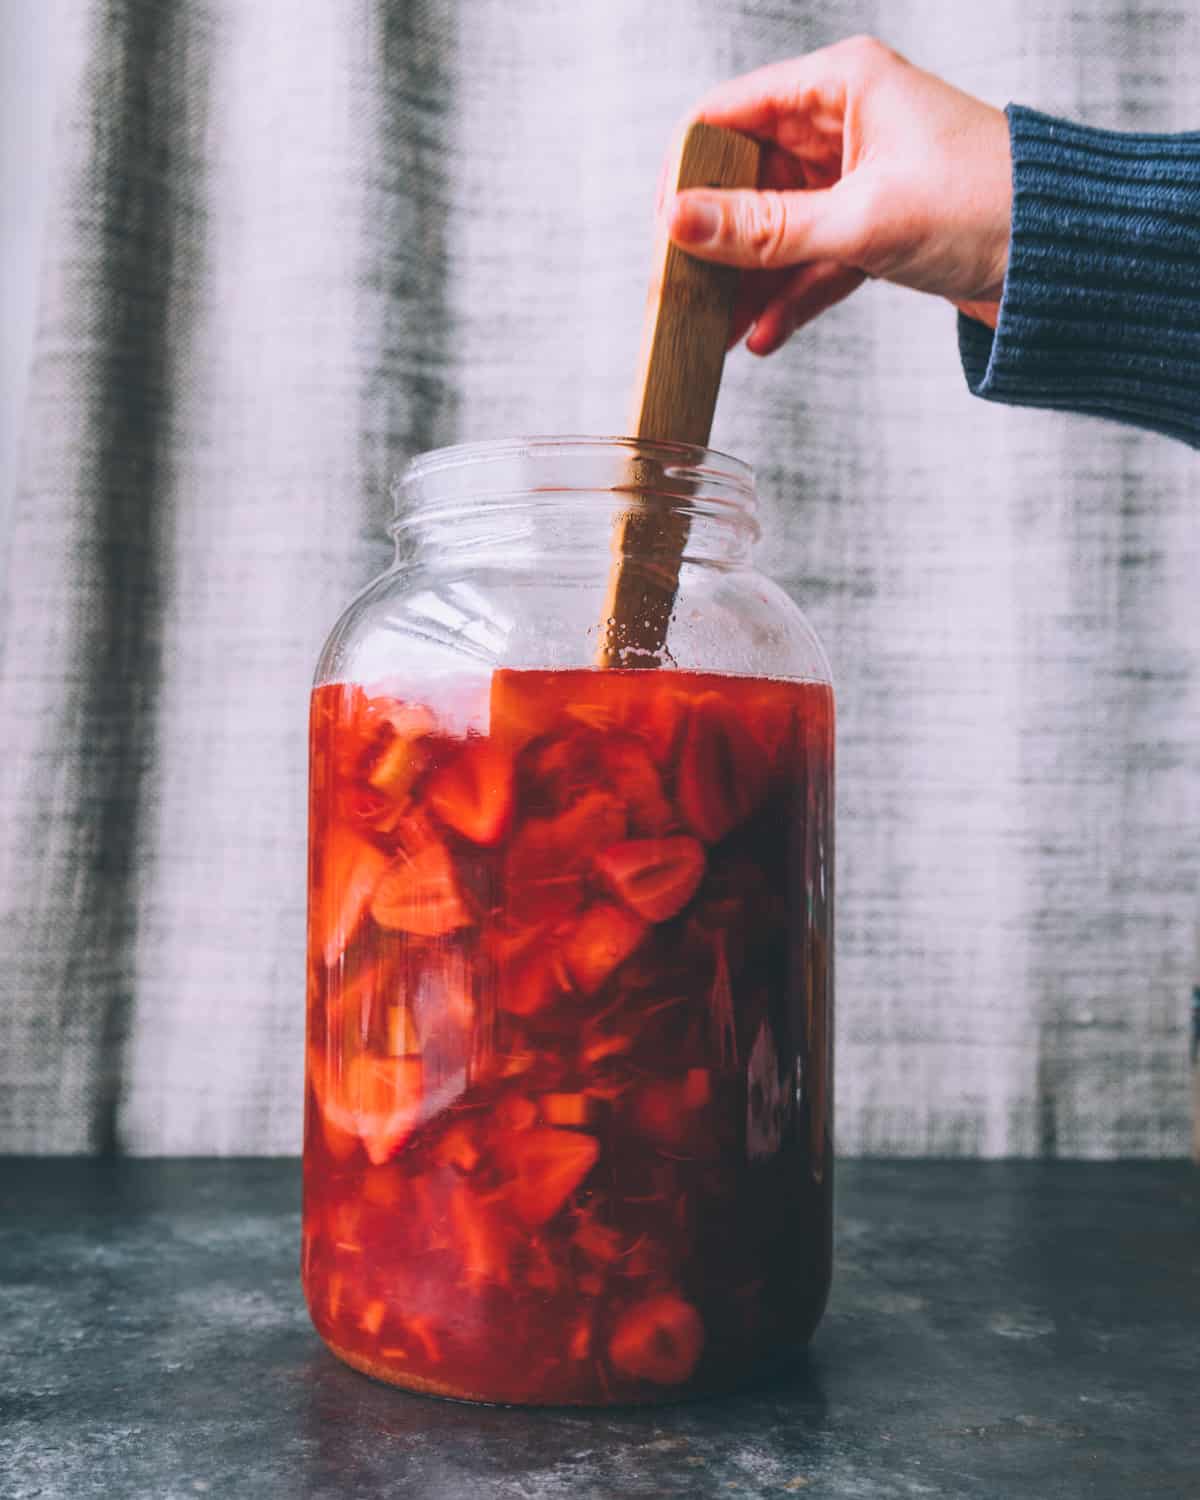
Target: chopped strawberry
656	878
547	1166
383	1186
543	873
341	1144
659	1339
722	770
377	1099
341	1140
581	1339
532	975
667	1111
398	756
474	793
350	870
457	1148
598	1241
634	778
419	894
479	1240
604	937
660	722
524	705
516	1113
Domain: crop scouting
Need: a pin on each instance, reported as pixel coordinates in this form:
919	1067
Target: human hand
871	168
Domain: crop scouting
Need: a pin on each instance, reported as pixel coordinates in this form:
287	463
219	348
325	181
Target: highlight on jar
566	1133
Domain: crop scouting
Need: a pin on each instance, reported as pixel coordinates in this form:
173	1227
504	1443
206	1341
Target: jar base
764	1373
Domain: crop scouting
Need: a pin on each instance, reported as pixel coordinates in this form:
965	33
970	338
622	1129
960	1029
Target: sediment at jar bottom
566	1135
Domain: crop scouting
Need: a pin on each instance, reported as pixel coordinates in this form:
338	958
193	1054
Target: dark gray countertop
996	1330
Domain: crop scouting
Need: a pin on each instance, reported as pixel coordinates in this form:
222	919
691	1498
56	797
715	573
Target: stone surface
996	1330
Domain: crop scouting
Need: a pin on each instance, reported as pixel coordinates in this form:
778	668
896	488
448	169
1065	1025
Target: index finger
771	101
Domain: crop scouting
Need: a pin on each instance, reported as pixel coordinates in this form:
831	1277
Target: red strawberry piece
603	938
523	706
547	1166
418	894
377	1099
478	1239
341	1141
656	878
397	756
533	983
722	770
634	778
350	871
771	719
531	973
659	1339
668	1112
544	868
660	722
474	793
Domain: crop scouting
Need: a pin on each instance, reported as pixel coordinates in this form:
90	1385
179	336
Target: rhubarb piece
604	938
371	1318
656	878
604	1046
547	1166
422	1331
659	1339
350	872
565	1109
418	894
722	770
474	793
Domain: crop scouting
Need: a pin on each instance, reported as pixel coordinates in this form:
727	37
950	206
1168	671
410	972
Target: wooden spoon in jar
688	316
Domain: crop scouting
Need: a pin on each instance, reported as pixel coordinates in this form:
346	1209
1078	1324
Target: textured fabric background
291	242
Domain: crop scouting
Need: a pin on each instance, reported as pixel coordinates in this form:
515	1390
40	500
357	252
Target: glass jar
567	1128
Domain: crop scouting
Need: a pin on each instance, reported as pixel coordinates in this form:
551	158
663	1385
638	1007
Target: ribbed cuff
1101	305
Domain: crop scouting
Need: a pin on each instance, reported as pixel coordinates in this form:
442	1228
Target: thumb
763	230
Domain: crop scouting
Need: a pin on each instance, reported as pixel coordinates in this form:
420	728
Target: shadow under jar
567	1128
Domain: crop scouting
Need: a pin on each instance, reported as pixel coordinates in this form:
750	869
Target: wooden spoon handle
688	314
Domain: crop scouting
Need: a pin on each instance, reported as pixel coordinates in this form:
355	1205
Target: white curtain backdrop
288	243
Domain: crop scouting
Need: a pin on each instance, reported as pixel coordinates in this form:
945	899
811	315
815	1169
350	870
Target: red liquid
566	1136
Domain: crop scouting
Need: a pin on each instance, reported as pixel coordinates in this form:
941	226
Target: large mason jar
567	1133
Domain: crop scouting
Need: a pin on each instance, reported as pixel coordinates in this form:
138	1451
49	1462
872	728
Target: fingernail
695	220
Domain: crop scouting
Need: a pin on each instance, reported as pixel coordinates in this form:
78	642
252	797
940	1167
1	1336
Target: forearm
1101	305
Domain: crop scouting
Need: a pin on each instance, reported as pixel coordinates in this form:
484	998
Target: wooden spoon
688	315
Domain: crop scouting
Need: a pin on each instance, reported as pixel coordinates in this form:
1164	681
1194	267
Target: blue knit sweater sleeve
1101	305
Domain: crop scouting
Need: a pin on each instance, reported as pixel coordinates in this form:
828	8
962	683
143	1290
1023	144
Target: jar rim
682	461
